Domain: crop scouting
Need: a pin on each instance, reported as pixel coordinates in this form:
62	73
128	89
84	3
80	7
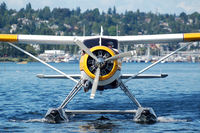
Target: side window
91	42
110	43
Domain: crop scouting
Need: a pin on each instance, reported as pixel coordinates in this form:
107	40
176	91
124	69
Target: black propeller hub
105	66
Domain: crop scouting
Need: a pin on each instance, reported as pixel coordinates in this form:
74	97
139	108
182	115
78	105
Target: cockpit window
105	42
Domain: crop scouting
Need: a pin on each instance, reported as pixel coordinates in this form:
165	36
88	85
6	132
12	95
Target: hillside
63	21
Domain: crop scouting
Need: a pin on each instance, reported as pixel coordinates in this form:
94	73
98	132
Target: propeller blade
83	47
121	55
95	84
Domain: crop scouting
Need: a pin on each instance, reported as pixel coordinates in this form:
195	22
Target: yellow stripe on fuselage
8	38
192	37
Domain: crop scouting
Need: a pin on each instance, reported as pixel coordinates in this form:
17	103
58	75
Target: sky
155	6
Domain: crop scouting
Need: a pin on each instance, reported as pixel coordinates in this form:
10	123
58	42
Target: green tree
109	11
184	17
30	49
3	8
114	10
112	30
45	13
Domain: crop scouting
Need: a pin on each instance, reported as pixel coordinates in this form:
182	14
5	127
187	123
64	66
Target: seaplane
100	67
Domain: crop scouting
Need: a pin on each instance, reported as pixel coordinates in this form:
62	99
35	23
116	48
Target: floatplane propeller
100	67
100	63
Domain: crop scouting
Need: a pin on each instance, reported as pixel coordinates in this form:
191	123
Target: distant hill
63	21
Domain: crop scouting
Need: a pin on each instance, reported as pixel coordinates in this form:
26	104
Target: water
26	98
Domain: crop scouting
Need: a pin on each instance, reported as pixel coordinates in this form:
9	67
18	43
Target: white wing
42	39
66	40
159	38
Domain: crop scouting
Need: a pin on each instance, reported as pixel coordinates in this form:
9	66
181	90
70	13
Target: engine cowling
108	68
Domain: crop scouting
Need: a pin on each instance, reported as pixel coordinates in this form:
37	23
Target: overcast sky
160	6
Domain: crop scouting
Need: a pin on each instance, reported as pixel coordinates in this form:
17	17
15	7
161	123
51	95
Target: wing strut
42	62
155	63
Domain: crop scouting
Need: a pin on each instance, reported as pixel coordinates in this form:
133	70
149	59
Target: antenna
84	30
117	29
101	34
101	31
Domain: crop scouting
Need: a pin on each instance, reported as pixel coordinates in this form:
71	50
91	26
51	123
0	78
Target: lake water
25	99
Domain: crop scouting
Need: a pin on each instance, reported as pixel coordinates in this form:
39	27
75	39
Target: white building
51	55
54	52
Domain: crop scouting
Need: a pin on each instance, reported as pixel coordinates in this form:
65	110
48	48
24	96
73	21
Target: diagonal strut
42	62
155	63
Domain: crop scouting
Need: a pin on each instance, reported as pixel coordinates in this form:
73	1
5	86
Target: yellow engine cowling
87	63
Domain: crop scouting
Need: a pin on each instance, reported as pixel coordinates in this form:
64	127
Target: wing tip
8	37
191	37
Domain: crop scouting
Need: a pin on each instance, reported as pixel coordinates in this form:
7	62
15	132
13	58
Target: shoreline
11	59
18	60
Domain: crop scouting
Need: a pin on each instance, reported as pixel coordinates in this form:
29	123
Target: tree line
63	21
